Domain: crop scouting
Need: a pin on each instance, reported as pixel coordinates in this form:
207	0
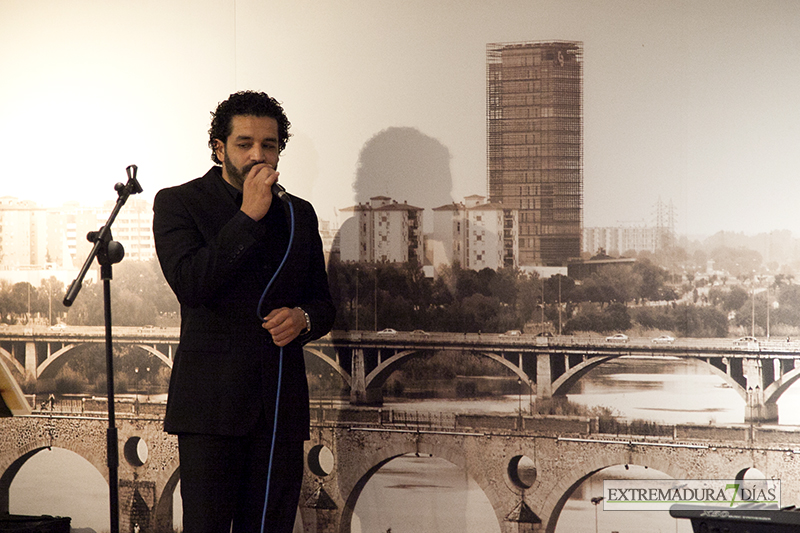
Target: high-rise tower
534	114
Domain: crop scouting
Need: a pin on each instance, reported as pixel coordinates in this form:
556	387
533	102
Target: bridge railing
47	405
417	419
328	413
42	404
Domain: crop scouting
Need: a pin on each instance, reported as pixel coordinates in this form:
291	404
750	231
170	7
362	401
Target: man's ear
219	149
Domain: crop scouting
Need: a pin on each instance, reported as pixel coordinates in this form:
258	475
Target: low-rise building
382	231
476	234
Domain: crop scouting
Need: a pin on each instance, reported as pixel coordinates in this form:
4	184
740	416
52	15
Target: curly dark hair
252	103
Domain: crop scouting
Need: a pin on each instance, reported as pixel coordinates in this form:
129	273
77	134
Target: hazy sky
694	102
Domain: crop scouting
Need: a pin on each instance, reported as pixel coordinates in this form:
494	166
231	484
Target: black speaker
11	523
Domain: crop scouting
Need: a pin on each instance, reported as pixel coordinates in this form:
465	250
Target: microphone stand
108	252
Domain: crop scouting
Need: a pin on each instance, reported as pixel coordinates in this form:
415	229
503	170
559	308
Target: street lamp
530	396
136	371
596	501
753	306
356	297
542	326
767	311
49	303
559	304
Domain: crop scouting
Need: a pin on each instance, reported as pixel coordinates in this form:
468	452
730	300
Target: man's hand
284	324
257	190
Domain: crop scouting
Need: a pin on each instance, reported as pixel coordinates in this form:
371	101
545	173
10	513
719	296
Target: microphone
280	192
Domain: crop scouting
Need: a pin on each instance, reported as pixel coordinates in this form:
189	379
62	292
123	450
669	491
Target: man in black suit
220	239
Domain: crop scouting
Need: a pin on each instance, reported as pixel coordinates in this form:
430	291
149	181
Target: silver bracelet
308	320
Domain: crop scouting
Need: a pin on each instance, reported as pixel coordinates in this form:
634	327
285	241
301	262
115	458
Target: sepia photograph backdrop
691	103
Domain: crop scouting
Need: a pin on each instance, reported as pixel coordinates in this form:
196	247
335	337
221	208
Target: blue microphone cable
288	201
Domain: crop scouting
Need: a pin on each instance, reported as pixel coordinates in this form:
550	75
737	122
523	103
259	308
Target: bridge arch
776	389
53	364
44	440
357	489
7	477
735	385
381	373
162	511
157	354
521	374
564	383
570	477
331	363
454	454
10	471
575	476
11	360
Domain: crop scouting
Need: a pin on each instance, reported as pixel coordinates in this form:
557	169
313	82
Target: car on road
387	331
663	339
746	343
58	327
512	333
617	337
420	332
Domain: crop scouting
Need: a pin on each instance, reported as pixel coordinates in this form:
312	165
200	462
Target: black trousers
224	480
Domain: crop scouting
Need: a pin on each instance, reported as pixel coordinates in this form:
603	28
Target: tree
139	296
693	321
87	309
50	298
341	280
735	299
529	297
19	301
504	285
652	279
789	304
614	317
655	318
617	317
478	313
716	295
611	284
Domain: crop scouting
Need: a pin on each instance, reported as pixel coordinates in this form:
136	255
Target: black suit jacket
218	261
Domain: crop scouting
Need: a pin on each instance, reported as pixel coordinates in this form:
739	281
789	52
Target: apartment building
477	234
382	231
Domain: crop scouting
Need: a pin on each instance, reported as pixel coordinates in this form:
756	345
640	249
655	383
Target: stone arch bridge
760	372
349	446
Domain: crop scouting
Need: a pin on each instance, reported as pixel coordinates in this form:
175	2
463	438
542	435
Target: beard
237	175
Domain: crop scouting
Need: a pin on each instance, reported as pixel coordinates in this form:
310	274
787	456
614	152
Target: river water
430	495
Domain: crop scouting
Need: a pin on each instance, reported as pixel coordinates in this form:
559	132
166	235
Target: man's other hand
284	324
